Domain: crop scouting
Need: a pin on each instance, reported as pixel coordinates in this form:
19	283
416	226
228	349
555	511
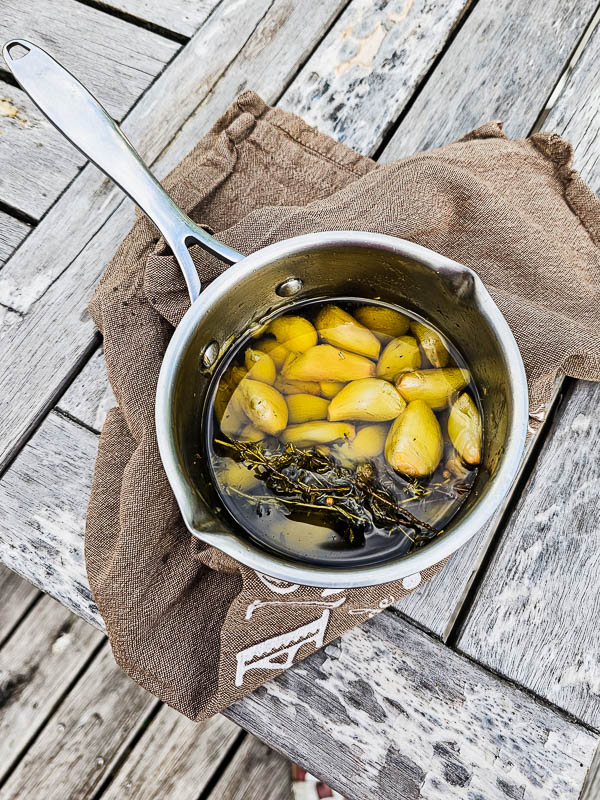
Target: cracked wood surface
48	529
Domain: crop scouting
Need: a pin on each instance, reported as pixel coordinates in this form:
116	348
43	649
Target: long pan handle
80	117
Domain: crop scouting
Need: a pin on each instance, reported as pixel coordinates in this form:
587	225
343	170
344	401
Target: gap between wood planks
133	19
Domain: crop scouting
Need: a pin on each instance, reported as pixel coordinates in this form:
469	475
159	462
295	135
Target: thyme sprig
312	480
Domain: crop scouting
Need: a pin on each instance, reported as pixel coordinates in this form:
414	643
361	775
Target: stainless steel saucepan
337	263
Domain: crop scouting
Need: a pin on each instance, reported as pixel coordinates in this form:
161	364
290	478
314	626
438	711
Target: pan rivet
289	287
210	354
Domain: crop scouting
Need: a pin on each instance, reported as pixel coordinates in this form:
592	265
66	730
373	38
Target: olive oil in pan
346	433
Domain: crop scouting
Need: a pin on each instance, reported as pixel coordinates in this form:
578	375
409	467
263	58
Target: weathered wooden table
485	683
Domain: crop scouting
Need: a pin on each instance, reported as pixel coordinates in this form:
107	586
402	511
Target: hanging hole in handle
16	50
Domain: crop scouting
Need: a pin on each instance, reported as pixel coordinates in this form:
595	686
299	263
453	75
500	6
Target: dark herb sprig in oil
309	480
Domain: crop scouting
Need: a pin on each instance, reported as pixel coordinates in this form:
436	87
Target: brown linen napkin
184	620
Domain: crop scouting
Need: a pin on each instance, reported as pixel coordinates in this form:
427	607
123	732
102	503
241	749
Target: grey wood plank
16	596
255	773
12	233
115	59
591	787
379	50
384	710
37	161
477	80
180	16
418	721
89	398
36	667
61	319
535	616
76	748
42	538
175	758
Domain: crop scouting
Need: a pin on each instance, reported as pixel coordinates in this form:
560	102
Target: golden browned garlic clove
464	429
337	327
400	355
330	388
327	363
435	386
277	351
297	387
414	443
260	366
384	322
264	406
295	333
308	434
237	476
367	444
306	407
366	400
432	344
238	373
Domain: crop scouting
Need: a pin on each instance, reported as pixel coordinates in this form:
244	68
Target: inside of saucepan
443	295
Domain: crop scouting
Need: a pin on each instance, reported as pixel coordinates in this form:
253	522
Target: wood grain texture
116	60
12	231
175	758
419	722
535	616
180	16
37	161
591	787
89	398
255	773
43	542
36	668
78	745
42	352
16	596
382	50
503	64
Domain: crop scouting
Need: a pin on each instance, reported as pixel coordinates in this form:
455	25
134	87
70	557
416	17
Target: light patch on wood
8	109
368	46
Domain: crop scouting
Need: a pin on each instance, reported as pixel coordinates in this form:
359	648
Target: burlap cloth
188	623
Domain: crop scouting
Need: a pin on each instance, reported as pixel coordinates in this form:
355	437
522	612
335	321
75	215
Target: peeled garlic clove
327	363
271	347
251	434
320	432
297	387
366	400
384	322
237	476
260	366
306	407
330	388
400	355
340	329
367	444
414	443
432	344
233	418
264	406
435	386
464	429
295	333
